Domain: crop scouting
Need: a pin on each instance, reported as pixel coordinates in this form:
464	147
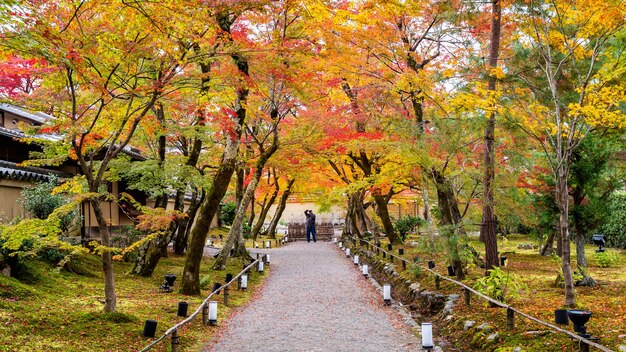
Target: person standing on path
310	226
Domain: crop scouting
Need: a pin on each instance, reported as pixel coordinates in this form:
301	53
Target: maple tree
568	40
106	76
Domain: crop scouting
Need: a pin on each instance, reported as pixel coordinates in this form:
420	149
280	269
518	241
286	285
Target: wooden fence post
510	318
437	282
226	294
205	314
175	341
583	346
466	294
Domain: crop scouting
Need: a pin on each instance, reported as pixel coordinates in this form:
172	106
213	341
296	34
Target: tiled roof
11	133
13	171
39	117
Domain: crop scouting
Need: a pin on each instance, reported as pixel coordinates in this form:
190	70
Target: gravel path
315	300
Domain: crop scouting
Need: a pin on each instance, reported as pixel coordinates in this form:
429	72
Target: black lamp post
169	282
598	240
579	318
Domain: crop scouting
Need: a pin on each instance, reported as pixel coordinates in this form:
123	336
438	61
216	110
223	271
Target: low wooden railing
173	331
510	311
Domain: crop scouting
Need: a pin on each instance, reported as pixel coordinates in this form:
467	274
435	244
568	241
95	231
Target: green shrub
606	259
614	227
406	224
205	282
227	213
500	285
40	202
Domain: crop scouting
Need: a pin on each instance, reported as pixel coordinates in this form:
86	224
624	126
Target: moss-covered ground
49	309
607	300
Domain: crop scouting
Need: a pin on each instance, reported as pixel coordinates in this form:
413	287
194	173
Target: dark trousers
310	230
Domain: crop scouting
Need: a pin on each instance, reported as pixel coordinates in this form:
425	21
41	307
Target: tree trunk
182	234
562	198
110	299
264	210
446	200
191	272
450	217
383	212
579	239
488	226
548	247
271	230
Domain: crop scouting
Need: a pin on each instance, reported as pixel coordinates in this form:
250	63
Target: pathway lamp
387	294
267	259
260	268
450	270
400	251
149	328
579	318
598	240
268	244
335	239
389	247
347	252
427	336
229	277
216	288
169	282
182	309
502	260
364	270
431	264
244	282
212	312
356	260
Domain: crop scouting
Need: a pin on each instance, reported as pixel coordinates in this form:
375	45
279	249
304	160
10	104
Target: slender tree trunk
235	231
264	210
562	197
110	299
182	235
282	204
579	239
488	226
548	247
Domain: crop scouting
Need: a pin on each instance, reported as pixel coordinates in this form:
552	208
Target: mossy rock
478	339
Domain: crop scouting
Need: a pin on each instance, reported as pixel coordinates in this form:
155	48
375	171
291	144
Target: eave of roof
39	117
13	171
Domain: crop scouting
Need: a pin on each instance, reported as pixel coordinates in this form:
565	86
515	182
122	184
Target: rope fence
173	331
511	311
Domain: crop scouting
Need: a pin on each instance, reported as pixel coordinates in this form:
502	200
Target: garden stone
517	349
493	337
485	327
468	324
